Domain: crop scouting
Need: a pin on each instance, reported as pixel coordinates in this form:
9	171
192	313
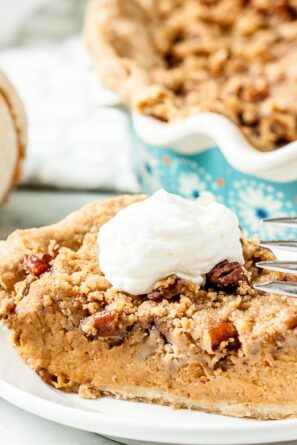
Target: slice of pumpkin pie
152	299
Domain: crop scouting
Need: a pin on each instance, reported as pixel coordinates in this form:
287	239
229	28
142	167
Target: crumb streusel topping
62	268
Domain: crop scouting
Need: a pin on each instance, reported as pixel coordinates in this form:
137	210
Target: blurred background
36	22
71	150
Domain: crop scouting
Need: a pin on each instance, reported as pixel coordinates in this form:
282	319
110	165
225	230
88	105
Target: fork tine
279	266
286	288
287	221
286	245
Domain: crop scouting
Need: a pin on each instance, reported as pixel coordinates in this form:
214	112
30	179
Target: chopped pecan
37	266
10	307
222	337
7	307
168	290
281	9
102	324
226	274
290	277
291	323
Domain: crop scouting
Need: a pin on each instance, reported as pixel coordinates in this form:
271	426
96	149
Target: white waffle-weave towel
79	136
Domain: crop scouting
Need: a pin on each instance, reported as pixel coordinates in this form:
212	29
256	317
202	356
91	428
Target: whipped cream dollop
163	235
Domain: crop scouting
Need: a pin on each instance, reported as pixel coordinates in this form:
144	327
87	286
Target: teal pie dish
208	153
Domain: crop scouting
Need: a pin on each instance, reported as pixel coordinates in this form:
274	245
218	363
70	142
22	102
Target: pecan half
37	266
221	337
167	290
226	274
102	324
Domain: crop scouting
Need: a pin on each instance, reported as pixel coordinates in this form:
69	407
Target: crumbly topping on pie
59	266
233	57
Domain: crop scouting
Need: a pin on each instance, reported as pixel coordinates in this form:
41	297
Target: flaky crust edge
120	74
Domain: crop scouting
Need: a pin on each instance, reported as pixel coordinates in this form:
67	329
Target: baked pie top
58	266
173	58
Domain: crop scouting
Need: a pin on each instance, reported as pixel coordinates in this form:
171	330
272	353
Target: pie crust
230	350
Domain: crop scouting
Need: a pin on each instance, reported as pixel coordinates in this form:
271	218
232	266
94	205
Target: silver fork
287	288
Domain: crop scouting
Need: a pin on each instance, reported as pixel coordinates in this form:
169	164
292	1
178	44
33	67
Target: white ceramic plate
127	421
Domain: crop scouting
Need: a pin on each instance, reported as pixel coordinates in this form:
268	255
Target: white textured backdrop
78	134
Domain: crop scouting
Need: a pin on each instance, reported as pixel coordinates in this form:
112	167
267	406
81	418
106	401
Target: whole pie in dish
220	346
173	58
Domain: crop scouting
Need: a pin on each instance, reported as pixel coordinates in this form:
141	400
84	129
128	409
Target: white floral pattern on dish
255	201
191	186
